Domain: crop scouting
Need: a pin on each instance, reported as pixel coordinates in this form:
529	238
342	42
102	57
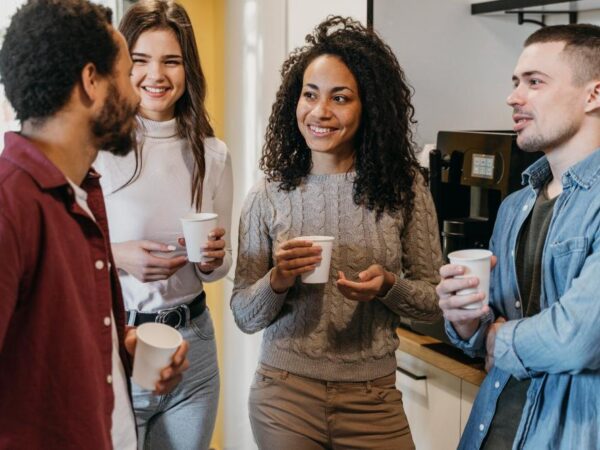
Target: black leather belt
177	317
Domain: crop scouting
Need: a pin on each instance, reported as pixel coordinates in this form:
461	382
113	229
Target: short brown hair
582	47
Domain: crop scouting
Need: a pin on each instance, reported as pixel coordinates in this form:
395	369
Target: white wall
459	65
304	15
255	47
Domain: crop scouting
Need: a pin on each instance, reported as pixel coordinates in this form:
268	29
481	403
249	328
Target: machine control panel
482	166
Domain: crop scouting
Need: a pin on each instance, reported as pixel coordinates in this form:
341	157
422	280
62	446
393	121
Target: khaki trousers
289	412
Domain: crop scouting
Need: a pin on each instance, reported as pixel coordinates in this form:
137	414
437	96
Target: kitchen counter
441	355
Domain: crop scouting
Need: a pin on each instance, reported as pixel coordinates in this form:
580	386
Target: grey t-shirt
529	265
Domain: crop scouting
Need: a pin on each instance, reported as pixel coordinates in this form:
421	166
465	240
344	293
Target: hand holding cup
292	258
212	251
197	228
461	299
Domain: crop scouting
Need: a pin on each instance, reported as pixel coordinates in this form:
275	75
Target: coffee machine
470	173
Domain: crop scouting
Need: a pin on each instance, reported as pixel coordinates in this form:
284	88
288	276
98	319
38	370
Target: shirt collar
585	173
23	153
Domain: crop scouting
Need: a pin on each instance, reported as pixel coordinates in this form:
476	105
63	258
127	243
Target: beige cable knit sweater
312	330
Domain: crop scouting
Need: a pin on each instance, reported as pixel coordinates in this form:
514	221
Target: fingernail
171	247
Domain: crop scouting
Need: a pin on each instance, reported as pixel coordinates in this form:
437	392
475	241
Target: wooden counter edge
412	344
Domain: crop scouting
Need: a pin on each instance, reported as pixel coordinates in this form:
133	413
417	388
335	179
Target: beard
114	127
541	143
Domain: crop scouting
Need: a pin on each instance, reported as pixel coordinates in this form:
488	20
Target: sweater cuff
398	299
397	292
255	307
265	292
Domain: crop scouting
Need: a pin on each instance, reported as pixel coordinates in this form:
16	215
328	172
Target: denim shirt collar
585	173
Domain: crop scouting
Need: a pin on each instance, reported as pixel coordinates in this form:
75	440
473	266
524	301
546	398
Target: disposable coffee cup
156	344
321	272
477	263
196	227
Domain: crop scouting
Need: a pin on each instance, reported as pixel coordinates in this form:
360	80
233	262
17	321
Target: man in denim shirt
541	332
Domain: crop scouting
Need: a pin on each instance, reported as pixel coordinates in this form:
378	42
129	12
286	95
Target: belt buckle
182	313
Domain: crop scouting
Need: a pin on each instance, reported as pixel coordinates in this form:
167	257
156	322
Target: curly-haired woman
339	161
178	167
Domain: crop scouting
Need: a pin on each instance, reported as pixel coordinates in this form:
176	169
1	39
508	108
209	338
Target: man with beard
541	332
64	361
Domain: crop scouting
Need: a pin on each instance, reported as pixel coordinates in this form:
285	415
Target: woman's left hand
373	282
213	248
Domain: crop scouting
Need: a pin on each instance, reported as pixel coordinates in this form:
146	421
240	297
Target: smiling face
548	106
158	73
329	108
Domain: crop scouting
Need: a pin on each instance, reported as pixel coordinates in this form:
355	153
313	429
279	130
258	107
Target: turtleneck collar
158	130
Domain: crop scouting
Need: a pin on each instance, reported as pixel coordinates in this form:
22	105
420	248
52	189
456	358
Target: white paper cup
321	273
196	227
156	344
477	263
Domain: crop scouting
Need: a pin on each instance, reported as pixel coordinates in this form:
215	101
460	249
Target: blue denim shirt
559	348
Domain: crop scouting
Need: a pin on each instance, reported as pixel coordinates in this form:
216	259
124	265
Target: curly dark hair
45	49
385	162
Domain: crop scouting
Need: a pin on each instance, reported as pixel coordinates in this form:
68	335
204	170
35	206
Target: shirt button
512	253
525	207
107	321
99	264
517	304
497	384
481	427
109	379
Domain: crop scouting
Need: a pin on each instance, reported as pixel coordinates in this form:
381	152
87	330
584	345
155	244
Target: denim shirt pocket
567	259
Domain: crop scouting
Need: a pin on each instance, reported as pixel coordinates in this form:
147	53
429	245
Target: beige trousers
289	412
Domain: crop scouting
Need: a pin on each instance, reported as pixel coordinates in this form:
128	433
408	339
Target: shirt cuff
472	346
505	355
475	345
215	275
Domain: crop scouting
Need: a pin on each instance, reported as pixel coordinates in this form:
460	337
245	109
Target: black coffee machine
470	173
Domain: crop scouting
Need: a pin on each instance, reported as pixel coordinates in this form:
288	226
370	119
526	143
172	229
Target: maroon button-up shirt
58	285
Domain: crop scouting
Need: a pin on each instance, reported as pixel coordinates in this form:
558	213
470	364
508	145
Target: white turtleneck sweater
151	206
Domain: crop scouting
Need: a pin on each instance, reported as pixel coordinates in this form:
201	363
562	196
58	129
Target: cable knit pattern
312	330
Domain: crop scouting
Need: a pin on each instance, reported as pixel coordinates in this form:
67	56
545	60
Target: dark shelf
508	5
